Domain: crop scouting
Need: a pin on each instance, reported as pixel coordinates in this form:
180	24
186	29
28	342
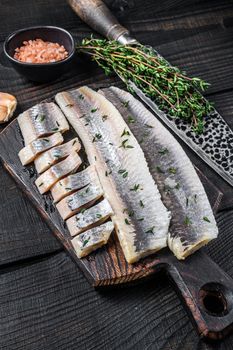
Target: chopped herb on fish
55	129
177	186
125	104
131	120
96	137
125	133
187	221
135	188
150	230
172	170
41	117
187	201
206	219
74	142
83	210
195	198
94	110
104	117
141	204
81	97
41	184
141	219
159	170
85	242
163	151
149	126
98	216
127	221
123	172
58	124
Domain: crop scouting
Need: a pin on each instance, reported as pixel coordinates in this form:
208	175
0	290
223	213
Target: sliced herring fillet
41	120
77	201
193	223
90	240
92	216
140	218
45	181
74	182
31	151
55	154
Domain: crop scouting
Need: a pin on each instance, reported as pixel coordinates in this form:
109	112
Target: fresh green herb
141	204
96	137
141	219
125	104
135	188
206	219
41	117
125	133
94	110
58	124
85	242
46	140
127	221
104	117
110	143
149	126
124	145
55	129
131	213
172	170
108	172
150	230
177	186
95	158
174	92
82	210
41	184
195	198
131	120
98	216
187	201
167	189
159	170
87	189
81	97
163	151
123	172
57	156
187	221
74	142
60	183
68	188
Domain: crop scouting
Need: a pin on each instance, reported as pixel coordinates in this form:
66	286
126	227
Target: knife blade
215	144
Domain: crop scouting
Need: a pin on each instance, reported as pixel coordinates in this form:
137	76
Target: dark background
45	302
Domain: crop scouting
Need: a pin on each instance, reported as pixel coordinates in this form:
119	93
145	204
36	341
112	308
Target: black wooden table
45	301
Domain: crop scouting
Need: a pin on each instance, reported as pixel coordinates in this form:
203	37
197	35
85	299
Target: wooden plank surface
48	304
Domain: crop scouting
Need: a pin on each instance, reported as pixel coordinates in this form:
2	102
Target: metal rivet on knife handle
96	14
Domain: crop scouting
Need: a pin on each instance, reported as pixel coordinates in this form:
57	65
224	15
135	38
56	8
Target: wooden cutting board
206	290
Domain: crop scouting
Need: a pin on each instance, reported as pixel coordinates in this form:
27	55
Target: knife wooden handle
96	14
207	292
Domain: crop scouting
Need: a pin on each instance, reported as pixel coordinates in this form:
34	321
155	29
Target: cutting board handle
207	292
97	15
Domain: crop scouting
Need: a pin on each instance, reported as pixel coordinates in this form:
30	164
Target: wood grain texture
148	316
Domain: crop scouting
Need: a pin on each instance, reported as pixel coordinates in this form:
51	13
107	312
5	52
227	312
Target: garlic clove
8	105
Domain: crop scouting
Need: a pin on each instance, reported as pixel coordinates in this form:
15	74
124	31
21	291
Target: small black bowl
40	72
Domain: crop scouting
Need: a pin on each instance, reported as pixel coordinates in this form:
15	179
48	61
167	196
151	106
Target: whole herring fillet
79	200
31	151
45	181
88	241
193	223
41	120
140	218
73	183
92	216
46	159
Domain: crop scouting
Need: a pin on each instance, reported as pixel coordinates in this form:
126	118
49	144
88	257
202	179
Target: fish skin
45	181
92	216
135	238
31	151
188	202
74	182
90	240
73	203
55	154
41	120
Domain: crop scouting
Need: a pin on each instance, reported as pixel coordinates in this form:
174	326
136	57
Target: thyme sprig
174	92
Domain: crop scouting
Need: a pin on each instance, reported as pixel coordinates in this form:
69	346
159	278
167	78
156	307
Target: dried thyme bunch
171	89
